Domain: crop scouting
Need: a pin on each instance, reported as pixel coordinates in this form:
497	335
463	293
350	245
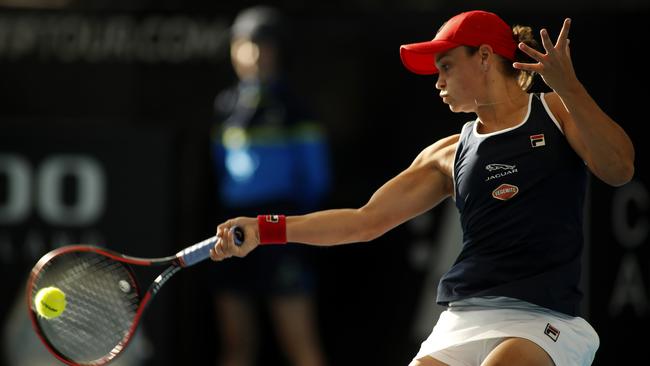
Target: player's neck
499	114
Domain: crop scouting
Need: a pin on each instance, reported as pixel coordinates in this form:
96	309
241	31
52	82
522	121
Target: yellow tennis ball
50	302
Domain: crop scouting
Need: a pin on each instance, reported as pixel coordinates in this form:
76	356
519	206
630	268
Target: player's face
459	79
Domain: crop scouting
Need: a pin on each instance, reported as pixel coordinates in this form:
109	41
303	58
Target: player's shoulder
441	149
443	144
551	99
556	107
446	141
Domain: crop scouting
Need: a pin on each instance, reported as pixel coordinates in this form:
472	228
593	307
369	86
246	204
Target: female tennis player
518	176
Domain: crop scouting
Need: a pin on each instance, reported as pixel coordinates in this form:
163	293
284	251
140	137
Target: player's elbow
619	175
368	234
625	167
615	170
625	175
373	226
628	173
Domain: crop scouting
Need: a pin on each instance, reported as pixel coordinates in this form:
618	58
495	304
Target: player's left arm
597	138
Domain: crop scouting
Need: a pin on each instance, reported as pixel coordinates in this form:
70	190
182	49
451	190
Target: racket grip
201	251
239	237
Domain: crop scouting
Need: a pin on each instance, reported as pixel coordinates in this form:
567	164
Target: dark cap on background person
260	23
472	28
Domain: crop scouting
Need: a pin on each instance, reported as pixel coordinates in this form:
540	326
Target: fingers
219	251
224	246
528	67
562	44
533	53
546	41
223	228
563	38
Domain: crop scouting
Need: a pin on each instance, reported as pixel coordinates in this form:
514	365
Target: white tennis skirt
474	332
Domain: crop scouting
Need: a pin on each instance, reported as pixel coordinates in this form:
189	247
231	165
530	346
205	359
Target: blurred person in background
269	154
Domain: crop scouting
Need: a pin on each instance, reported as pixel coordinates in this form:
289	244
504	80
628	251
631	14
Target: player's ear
485	53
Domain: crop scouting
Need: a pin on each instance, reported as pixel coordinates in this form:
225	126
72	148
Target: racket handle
239	236
201	251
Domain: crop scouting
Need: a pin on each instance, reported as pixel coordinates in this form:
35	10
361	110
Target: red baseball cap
472	28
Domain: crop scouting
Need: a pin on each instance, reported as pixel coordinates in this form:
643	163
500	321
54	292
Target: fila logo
505	192
273	219
552	332
537	140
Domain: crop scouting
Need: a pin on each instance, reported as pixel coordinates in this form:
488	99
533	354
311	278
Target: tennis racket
104	302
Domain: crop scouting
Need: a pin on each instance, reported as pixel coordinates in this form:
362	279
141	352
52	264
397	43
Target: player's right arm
420	187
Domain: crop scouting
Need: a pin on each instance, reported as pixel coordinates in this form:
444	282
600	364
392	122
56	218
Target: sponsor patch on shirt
537	140
493	167
499	170
552	332
505	192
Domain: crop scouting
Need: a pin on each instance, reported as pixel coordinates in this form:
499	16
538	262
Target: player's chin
450	103
454	108
457	108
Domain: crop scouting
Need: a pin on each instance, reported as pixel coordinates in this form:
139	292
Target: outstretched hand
555	66
225	246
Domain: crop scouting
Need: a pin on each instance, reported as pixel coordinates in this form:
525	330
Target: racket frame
185	258
175	263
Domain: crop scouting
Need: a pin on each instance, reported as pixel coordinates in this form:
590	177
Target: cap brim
420	58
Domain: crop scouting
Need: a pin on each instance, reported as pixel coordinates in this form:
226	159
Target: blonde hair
522	34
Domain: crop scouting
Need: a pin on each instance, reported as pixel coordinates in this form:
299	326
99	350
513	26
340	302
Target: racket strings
102	302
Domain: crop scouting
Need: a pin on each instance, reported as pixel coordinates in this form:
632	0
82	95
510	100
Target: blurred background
105	114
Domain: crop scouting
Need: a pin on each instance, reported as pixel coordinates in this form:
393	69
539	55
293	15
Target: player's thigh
427	361
518	351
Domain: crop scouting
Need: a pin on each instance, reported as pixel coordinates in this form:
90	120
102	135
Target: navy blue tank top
520	193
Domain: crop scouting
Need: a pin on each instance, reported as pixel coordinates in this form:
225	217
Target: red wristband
272	229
